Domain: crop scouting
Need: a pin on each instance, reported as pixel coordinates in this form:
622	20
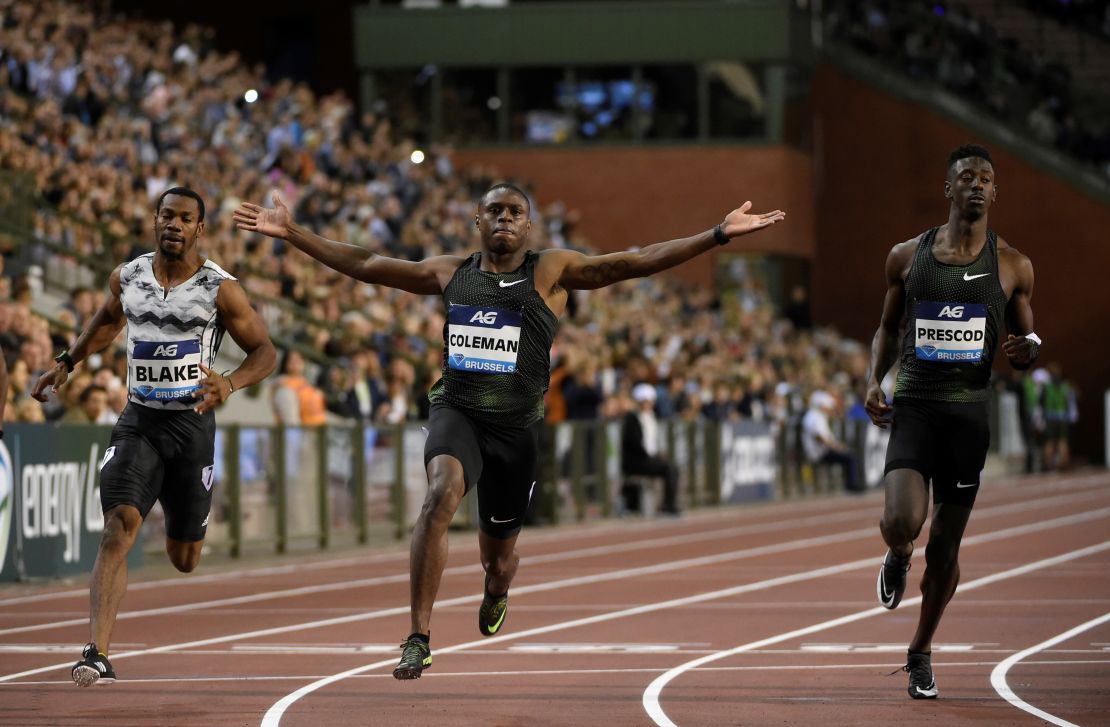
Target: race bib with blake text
482	340
950	332
165	370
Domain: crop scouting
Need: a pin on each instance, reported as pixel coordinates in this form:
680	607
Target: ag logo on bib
165	370
482	340
950	332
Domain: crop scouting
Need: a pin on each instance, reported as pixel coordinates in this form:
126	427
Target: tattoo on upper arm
605	273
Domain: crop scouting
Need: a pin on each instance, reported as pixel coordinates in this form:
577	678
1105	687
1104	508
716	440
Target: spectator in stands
295	401
3	390
797	310
398	400
82	303
721	407
582	390
640	451
19	405
92	408
163	119
936	42
674	401
368	388
821	444
1058	404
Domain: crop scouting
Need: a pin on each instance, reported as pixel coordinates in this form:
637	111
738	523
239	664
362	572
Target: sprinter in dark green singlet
950	293
503	307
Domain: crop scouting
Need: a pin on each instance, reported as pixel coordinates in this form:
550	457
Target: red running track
758	616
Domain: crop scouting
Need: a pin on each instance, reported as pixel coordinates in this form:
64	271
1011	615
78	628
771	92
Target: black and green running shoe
416	656
492	613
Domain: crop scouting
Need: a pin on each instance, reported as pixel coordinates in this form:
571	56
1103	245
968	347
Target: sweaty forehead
180	204
977	164
504	196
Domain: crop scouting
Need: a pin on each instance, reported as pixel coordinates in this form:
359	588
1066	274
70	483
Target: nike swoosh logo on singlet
504	284
973	277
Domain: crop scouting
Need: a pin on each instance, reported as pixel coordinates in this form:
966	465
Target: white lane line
1066	484
655	689
536	537
237	574
67	684
586	580
603	550
521	590
274	714
998	676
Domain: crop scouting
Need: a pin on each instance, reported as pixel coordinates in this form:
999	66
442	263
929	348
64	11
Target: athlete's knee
185	563
121	528
500	564
184	557
442	499
899	527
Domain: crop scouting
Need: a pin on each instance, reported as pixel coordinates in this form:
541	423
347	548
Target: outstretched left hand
739	222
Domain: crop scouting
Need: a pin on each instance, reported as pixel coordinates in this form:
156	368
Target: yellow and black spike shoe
491	614
416	656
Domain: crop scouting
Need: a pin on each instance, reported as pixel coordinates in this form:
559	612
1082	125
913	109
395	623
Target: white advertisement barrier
748	462
873	447
50	516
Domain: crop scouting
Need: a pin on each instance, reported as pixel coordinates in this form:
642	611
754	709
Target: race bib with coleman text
165	370
950	332
482	340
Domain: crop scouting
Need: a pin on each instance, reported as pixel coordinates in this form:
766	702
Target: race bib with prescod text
482	340
165	370
950	332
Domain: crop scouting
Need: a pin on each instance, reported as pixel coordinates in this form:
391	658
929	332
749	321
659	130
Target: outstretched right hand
876	406
270	222
55	378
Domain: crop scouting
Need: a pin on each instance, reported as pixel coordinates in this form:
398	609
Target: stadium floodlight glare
250	96
417	156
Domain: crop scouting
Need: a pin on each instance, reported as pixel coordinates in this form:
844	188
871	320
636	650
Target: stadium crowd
104	113
945	44
1091	16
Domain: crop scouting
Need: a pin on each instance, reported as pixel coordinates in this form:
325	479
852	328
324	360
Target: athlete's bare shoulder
1006	248
900	257
1010	255
907	248
1014	265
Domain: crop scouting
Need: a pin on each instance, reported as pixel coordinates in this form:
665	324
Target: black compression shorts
166	456
501	461
945	441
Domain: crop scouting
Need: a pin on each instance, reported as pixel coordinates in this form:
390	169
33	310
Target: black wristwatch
66	359
719	235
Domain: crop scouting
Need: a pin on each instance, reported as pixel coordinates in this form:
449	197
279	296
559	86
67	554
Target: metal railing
283	488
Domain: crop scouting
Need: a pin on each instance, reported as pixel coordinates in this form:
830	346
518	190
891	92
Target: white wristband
1034	338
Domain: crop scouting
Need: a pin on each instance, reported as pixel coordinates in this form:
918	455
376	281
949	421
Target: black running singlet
953	317
496	344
